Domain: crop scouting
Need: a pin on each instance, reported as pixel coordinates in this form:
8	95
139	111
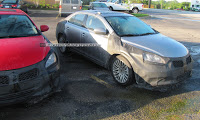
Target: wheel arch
135	8
59	35
111	7
125	55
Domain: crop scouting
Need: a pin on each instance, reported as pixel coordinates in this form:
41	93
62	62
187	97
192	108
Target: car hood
21	52
158	44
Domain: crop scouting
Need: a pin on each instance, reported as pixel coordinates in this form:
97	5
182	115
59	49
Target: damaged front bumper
175	71
21	85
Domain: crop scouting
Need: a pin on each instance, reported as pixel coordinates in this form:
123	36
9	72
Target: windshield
16	26
9	1
100	5
129	26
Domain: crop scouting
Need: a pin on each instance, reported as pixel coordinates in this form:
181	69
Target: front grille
188	60
28	75
178	63
4	80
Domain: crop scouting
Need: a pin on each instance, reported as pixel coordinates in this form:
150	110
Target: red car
28	67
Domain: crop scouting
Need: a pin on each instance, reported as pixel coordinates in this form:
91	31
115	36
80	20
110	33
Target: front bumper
23	84
162	75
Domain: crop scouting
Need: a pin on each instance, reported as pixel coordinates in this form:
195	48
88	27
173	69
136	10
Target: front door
89	36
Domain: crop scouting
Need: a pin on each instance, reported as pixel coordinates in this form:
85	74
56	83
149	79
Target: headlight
51	60
153	58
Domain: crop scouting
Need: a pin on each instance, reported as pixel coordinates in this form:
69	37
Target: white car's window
99	5
93	23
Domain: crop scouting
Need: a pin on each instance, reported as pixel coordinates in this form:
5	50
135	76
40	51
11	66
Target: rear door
72	29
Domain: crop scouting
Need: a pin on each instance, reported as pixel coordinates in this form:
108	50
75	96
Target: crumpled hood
21	52
158	44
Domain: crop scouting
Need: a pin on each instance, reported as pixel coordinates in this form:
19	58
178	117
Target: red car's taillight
14	5
80	7
142	6
1	5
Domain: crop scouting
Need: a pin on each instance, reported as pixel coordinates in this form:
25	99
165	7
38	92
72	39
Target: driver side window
93	23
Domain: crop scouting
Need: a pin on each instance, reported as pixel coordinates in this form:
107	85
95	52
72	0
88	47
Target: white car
116	5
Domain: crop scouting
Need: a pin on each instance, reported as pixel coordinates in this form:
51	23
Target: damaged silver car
131	49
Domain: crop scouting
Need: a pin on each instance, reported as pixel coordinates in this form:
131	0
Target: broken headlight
150	57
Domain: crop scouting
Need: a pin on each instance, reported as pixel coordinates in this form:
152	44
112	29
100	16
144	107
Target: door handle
67	28
83	34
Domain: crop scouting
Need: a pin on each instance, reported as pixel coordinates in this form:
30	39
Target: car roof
104	13
6	11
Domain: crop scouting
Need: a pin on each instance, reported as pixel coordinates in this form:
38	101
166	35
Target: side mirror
44	28
100	31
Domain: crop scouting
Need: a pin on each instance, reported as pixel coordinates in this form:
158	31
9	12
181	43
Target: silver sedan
131	49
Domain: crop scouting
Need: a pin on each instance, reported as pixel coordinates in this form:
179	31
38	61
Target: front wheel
122	71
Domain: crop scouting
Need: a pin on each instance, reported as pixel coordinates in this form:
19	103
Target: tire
63	49
122	71
135	10
110	8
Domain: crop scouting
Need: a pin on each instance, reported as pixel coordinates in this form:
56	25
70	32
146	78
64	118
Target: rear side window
77	19
74	1
93	23
66	1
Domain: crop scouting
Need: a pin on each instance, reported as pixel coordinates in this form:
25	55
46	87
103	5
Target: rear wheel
122	71
135	10
63	49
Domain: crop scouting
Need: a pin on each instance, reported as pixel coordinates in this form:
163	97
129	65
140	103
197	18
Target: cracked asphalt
89	91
